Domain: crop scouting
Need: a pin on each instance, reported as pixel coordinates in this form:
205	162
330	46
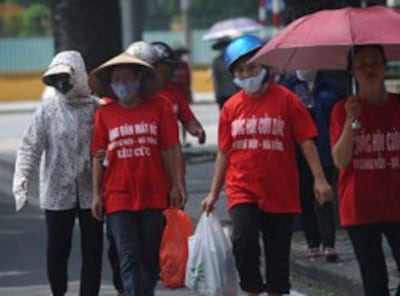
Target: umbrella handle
356	124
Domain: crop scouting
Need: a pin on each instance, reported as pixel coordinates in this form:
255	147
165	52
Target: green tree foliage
37	21
32	21
12	24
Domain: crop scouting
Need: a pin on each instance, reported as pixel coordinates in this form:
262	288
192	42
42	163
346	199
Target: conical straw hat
99	78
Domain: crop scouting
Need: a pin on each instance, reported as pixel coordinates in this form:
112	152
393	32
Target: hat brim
55	70
99	78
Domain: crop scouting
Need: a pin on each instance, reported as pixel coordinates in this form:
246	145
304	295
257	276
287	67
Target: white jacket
59	134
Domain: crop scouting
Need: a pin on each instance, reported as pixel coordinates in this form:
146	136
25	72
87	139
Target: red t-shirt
135	178
369	186
260	135
174	96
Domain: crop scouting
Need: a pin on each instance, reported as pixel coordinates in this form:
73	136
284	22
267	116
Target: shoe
313	253
330	254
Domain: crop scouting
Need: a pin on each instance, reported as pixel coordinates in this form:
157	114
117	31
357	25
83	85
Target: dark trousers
60	226
276	229
318	220
137	237
114	261
367	244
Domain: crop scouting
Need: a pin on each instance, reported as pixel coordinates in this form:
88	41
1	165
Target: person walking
367	155
58	135
319	91
146	52
182	74
139	135
171	93
222	79
182	77
258	129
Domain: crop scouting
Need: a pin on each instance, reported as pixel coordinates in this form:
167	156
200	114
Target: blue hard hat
239	47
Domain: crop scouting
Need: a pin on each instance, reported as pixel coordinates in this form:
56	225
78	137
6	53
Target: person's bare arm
170	158
217	182
97	181
322	189
195	129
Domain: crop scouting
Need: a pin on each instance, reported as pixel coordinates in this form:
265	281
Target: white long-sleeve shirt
59	137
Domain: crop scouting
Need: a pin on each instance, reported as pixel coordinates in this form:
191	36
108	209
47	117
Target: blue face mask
251	84
125	91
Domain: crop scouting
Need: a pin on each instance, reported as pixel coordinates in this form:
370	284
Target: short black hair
357	48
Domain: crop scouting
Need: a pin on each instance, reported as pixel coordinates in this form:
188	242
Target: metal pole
138	13
126	22
132	16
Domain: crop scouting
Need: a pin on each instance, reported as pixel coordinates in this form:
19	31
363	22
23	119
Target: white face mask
251	84
125	91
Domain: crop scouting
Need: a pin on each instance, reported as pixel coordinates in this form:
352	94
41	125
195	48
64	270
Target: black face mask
61	83
63	86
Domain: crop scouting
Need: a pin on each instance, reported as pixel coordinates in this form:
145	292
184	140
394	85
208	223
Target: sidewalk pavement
30	104
342	277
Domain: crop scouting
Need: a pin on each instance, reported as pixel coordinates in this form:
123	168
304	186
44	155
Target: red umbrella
322	40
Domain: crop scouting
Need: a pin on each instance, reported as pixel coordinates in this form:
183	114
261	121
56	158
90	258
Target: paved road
22	237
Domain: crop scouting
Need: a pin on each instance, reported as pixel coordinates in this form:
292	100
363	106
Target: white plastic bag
210	269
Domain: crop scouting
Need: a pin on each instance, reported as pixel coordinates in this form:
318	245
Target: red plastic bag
174	247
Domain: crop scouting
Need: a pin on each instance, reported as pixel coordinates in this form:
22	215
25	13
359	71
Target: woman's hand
208	203
97	207
322	191
201	136
352	107
177	197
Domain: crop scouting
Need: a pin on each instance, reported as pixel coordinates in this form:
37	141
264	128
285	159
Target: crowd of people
280	143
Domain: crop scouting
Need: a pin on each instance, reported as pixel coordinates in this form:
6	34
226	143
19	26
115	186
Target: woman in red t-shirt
369	163
258	129
139	136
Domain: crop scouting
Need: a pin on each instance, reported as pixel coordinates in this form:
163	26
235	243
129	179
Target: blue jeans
137	238
114	261
60	226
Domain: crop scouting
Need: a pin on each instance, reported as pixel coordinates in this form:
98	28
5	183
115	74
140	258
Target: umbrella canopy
322	40
232	28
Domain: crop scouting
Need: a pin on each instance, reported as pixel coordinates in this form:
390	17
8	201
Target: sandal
313	252
330	254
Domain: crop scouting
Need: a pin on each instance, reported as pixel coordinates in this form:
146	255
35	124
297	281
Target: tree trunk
92	27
